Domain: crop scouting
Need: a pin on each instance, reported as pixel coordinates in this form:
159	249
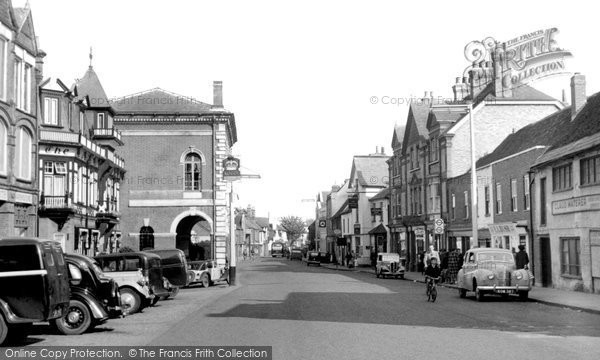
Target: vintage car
94	297
174	270
34	285
295	254
313	258
390	264
492	271
139	276
206	272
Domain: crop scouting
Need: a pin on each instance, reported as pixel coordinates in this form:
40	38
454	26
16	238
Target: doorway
546	261
194	238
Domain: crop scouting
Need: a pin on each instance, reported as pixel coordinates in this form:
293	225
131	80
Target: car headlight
519	276
490	276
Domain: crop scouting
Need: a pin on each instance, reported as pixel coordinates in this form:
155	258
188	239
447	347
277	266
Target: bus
278	248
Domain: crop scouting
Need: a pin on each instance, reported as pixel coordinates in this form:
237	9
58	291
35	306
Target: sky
299	75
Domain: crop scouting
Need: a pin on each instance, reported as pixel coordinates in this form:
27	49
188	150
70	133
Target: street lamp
474	239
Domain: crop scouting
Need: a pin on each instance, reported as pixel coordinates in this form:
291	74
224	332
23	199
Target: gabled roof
5	13
263	222
383	194
159	101
370	170
90	88
379	229
398	136
342	210
24	27
416	124
322	196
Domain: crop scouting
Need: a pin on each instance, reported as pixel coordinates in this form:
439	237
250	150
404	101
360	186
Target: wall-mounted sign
376	212
576	204
322	223
23	198
356	229
57	150
353	202
231	167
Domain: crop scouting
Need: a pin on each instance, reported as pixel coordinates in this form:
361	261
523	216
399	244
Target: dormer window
51	111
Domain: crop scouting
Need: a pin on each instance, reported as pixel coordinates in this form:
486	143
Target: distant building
380	239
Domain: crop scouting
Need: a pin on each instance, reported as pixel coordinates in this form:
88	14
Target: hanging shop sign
353	202
231	167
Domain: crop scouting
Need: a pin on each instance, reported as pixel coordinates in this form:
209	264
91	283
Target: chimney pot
217	95
382	150
425	96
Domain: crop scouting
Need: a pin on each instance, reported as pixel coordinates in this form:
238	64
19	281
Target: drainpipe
531	234
214	171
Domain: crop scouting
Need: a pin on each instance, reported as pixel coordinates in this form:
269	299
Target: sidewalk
569	299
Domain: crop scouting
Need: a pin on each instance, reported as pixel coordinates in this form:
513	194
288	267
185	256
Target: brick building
175	147
79	167
21	63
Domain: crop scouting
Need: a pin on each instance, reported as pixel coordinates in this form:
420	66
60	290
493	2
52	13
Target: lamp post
474	226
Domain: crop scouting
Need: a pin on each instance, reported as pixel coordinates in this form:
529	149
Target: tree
294	226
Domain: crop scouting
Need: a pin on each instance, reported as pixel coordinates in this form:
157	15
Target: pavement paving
555	297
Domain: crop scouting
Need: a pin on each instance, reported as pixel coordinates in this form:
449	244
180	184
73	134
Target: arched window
146	238
3	147
192	168
23	153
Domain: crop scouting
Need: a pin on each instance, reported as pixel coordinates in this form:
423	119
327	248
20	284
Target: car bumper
504	289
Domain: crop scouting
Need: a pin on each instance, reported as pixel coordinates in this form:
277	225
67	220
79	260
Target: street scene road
302	310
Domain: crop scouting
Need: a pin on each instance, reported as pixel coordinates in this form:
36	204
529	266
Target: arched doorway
194	235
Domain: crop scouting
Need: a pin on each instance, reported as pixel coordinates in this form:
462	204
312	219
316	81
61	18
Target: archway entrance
194	237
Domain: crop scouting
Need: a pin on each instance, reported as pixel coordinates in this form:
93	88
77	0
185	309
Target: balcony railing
104	133
55	202
74	138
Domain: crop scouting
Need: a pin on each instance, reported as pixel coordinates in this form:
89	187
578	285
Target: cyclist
432	273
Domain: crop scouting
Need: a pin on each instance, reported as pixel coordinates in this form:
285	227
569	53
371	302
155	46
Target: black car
34	285
94	297
174	269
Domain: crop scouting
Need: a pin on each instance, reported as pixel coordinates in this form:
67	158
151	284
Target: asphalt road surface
316	313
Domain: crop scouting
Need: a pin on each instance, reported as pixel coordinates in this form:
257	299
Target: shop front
509	236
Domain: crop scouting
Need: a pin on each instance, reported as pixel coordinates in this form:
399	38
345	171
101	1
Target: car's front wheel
479	294
205	280
131	300
76	321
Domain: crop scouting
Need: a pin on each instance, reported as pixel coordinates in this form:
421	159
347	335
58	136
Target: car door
469	269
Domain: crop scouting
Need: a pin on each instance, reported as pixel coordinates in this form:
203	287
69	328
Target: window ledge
590	185
562	190
51	125
573	277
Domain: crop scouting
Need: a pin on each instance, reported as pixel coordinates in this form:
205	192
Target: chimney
335	188
382	151
578	97
376	149
217	95
460	89
39	62
564	96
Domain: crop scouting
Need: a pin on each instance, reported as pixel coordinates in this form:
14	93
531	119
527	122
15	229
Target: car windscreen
19	258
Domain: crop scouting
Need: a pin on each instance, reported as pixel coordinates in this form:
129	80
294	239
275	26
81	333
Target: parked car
313	258
206	272
94	297
492	271
174	269
34	285
296	254
278	248
136	294
390	264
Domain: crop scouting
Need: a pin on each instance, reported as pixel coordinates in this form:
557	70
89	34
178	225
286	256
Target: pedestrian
430	254
348	258
444	264
245	254
253	253
521	259
420	262
453	265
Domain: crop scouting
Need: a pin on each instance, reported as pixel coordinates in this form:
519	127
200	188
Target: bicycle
432	288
